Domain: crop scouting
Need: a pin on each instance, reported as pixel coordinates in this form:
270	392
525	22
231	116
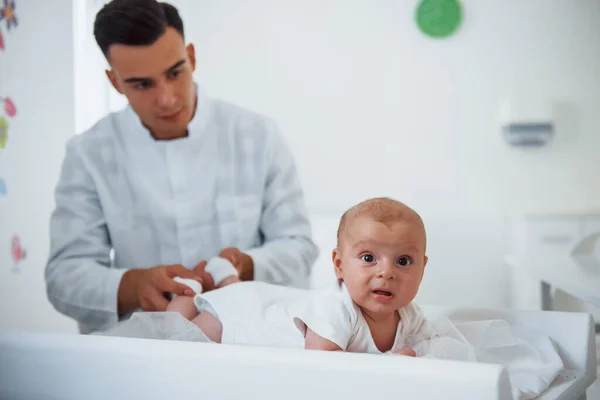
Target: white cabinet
590	224
542	246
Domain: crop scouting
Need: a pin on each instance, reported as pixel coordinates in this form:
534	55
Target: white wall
372	107
359	90
36	71
369	106
91	89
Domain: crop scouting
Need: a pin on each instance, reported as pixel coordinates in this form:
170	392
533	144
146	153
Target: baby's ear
425	259
337	262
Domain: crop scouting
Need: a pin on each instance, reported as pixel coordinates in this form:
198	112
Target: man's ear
113	80
191	55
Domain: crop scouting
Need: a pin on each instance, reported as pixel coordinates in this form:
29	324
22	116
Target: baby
380	258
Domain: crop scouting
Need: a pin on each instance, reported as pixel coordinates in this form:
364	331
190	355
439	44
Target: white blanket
157	325
530	357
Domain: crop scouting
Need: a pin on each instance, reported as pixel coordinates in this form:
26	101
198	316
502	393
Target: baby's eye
368	258
404	261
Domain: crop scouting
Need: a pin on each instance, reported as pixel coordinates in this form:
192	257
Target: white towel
218	268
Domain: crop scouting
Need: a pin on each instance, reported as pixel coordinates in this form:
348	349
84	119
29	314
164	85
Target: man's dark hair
134	23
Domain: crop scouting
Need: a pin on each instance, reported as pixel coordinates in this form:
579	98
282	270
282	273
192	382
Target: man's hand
146	288
208	283
242	262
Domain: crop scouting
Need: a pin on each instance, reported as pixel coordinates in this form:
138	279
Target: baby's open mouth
382	292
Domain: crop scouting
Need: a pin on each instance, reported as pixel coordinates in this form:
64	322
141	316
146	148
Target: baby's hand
405	352
228	281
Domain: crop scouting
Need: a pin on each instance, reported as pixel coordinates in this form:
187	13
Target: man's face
157	81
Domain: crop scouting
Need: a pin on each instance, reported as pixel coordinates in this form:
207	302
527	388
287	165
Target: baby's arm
420	331
312	341
325	319
425	331
405	352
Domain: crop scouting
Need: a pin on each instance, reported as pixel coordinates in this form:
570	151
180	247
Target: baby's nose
386	272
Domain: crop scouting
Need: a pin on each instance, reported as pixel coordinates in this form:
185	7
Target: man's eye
368	258
174	74
404	261
142	85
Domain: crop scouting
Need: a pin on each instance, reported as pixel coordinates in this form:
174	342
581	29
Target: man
167	183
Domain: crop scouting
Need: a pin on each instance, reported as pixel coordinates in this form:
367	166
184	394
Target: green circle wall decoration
439	18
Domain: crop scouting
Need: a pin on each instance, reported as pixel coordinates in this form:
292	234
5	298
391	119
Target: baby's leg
185	305
207	323
210	325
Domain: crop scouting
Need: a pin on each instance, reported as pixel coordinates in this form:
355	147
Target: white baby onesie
262	314
254	313
335	317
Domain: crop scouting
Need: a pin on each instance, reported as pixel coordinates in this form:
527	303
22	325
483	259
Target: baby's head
380	254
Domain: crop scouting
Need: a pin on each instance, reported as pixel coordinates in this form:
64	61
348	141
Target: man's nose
166	96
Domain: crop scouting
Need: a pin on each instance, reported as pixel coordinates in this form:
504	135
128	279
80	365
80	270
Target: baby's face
382	266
